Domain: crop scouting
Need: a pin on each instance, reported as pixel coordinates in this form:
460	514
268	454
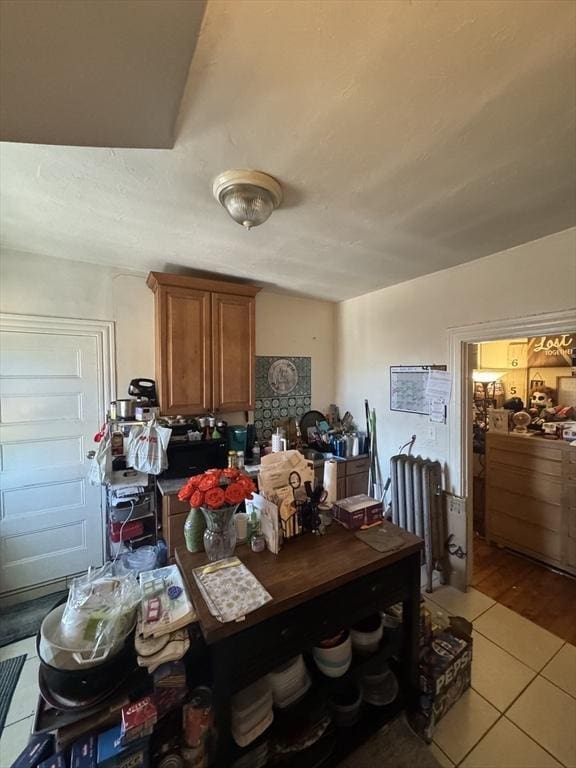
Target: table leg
221	656
411	628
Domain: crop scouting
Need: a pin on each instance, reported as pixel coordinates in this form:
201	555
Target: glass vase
220	533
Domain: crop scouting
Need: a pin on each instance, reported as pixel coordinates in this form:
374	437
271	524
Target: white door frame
460	422
103	333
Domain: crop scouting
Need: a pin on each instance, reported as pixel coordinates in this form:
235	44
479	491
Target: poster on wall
408	387
283	389
555	350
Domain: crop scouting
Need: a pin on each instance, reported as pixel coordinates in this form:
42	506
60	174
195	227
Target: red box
356	511
131	529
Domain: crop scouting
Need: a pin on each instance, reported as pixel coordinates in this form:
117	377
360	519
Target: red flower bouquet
217	488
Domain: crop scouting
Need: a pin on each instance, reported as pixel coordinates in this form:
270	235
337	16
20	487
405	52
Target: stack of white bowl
289	682
379	684
334	656
255	758
251	712
366	635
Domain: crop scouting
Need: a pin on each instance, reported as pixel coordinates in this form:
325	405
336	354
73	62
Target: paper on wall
439	386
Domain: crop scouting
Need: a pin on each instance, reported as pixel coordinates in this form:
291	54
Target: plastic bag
100	613
100	470
147	446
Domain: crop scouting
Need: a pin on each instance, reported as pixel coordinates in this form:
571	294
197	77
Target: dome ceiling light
248	196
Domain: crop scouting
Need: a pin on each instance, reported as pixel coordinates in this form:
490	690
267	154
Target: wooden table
319	585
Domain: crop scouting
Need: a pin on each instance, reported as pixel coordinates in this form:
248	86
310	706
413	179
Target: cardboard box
445	673
356	511
138	719
113	754
38	748
83	753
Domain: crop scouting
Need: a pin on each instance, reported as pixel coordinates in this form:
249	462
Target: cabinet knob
287	633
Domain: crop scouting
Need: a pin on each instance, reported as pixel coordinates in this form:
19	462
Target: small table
319	585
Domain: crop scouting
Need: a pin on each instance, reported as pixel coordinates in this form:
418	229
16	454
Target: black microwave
187	458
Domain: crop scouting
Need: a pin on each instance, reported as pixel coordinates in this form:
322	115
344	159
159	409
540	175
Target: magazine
165	605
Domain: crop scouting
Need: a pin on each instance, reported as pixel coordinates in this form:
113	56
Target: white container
241	523
366	642
335	661
278	441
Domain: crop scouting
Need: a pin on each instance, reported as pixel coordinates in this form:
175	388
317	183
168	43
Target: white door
50	407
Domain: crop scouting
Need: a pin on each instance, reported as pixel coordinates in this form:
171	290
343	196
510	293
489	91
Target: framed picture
566	390
498	420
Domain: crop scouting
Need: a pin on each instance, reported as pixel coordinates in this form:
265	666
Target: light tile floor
519	713
521	709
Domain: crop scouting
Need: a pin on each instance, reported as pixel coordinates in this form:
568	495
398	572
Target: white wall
407	324
38	285
299	328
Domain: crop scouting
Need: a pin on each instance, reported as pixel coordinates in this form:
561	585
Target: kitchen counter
171	486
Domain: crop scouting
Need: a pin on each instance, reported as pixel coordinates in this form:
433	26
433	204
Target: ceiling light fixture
248	196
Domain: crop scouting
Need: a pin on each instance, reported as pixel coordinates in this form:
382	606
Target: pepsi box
445	673
83	752
40	747
113	754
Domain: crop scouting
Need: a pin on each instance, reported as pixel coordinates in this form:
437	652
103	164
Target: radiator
417	506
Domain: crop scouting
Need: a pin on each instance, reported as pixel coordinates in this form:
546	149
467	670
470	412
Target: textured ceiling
87	73
409	137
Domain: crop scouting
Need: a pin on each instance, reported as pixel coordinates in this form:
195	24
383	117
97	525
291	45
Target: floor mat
24	619
9	674
394	746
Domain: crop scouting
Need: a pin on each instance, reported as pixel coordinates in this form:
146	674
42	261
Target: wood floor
545	597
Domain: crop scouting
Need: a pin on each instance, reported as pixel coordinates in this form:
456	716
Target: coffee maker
144	390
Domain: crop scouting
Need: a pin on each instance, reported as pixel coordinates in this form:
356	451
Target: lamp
248	196
485	378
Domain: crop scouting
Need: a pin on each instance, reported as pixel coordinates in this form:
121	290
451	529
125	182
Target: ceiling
409	137
88	73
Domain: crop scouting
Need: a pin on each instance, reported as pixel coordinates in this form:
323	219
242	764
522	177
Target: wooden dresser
531	497
318	584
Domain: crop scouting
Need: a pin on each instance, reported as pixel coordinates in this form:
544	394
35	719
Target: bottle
256	453
231	459
240	459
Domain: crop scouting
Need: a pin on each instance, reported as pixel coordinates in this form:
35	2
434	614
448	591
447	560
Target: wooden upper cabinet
233	357
185	352
205	344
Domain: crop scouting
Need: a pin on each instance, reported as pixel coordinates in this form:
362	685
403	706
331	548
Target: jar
231	459
240	459
257	543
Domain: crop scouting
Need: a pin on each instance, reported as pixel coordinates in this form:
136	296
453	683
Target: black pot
87	684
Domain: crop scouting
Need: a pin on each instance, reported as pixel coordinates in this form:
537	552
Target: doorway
55	382
462	341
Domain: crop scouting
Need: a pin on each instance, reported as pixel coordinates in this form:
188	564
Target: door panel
50	408
233	335
184	351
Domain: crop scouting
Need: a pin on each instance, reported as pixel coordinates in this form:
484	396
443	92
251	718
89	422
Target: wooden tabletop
306	567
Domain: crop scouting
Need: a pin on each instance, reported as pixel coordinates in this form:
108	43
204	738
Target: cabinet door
183	352
233	343
357	484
